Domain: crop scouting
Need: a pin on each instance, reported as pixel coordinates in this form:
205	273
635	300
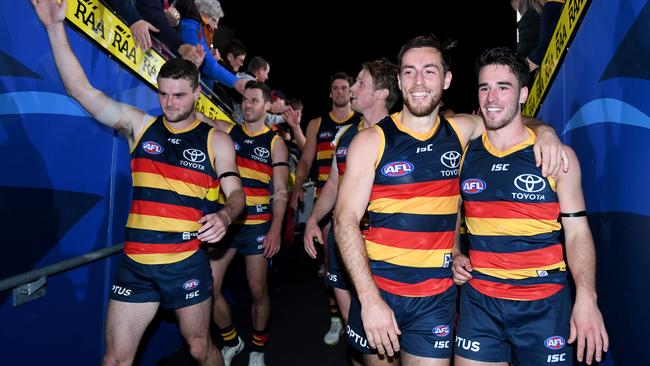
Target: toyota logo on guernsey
530	183
152	148
450	159
262	152
191	284
194	155
473	186
555	342
397	169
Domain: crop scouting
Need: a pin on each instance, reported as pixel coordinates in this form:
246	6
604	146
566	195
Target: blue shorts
426	323
174	285
526	333
247	239
337	276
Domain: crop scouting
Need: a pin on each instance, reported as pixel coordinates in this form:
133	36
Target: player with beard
517	307
404	172
262	161
373	94
318	146
178	166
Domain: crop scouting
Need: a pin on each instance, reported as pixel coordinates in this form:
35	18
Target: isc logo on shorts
555	342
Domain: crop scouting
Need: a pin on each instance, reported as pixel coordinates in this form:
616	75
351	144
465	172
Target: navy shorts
526	333
247	239
174	285
337	276
426	323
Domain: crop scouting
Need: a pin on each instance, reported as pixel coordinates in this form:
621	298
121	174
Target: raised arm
293	120
324	204
216	224
378	319
587	326
306	160
123	117
280	156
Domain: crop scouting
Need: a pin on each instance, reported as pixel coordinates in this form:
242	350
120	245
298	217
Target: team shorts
337	276
526	333
426	323
247	239
174	285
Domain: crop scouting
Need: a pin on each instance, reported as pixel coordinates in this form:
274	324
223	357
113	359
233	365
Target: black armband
573	214
229	174
282	163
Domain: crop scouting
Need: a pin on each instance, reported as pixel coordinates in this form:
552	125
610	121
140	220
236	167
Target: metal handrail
64	265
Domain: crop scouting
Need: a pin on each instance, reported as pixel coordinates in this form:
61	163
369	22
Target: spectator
258	69
234	55
293	116
549	16
528	25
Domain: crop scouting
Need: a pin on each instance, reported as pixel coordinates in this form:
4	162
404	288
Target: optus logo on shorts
441	330
555	342
397	169
191	284
152	147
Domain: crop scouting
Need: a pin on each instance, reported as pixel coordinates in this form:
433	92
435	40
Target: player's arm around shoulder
587	327
470	127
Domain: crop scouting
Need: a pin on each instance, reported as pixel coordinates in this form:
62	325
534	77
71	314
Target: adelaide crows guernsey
173	181
328	127
254	162
511	213
413	207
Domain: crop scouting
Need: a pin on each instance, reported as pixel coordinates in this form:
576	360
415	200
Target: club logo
152	148
397	169
473	186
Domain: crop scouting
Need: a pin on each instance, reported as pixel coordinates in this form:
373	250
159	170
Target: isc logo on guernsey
473	186
397	169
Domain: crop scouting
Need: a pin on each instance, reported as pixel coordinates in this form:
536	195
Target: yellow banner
571	13
107	30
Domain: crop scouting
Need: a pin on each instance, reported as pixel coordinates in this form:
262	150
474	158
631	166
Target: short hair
341	76
256	63
235	47
384	76
179	68
507	57
296	104
428	41
266	91
210	7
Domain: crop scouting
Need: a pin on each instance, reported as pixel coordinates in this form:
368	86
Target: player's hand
141	36
461	268
312	231
381	327
50	12
549	152
297	196
588	330
271	243
214	227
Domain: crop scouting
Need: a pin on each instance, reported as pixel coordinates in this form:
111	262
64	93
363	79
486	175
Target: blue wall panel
600	103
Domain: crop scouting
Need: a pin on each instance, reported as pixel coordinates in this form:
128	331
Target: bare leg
411	360
219	261
125	324
343	300
256	272
460	361
194	322
376	360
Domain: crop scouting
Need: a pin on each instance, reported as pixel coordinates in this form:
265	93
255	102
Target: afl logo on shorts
325	135
441	330
341	151
473	186
554	342
397	169
152	148
191	285
260	238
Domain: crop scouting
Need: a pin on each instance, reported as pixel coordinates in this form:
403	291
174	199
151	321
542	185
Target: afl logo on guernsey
530	183
191	284
397	169
152	148
325	135
237	147
555	342
441	330
473	186
341	151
